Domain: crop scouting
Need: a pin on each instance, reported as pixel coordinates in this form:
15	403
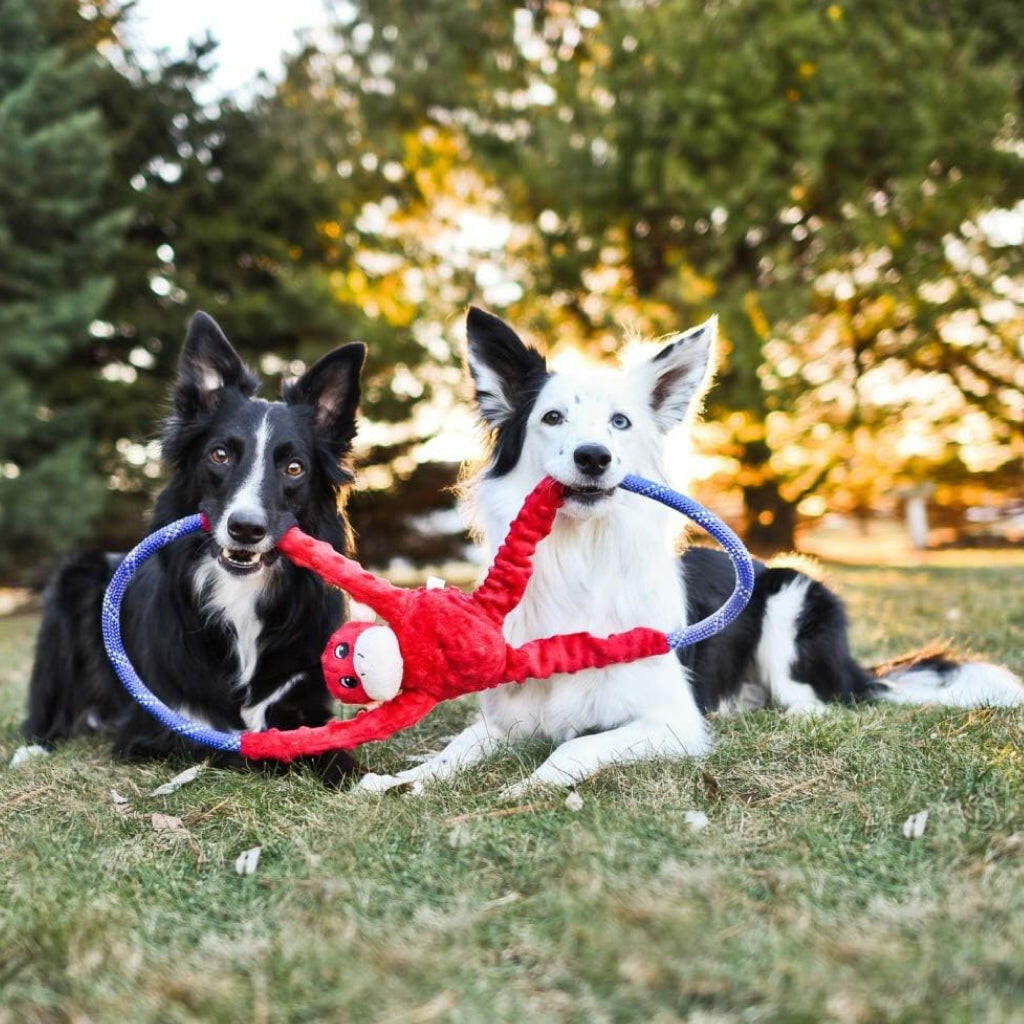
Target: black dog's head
256	467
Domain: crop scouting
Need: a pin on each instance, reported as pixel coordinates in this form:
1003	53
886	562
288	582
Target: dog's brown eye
552	418
219	455
349	682
294	468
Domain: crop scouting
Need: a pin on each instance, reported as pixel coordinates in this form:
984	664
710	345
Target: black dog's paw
336	769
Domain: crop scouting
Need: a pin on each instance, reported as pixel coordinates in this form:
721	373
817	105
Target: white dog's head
588	428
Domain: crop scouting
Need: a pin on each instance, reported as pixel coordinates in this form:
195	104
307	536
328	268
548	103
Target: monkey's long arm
571	652
387	600
380	723
503	588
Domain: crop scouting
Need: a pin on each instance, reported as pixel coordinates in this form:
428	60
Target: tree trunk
771	520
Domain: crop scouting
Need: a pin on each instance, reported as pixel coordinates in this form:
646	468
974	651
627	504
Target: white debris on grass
247	861
25	754
913	827
696	820
187	776
574	801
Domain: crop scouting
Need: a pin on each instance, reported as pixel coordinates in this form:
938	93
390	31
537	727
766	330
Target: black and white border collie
609	564
218	626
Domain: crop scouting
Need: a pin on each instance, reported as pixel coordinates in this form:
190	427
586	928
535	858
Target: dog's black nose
592	459
246	527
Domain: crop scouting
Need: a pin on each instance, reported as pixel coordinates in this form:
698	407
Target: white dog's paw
371	782
523	788
25	754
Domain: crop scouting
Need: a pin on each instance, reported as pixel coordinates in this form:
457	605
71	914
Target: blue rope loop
738	554
231	742
112	640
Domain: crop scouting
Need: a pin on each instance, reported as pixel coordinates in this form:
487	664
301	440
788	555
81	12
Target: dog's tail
938	677
58	695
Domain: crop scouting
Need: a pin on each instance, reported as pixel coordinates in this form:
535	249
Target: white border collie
609	564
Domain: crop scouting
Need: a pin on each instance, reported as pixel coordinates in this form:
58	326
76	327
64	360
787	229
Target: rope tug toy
437	643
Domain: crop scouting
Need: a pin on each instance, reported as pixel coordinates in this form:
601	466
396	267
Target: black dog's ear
208	364
331	387
500	364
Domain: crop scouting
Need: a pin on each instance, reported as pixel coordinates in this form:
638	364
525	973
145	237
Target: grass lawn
801	900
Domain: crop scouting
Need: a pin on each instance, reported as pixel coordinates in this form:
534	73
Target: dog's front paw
371	782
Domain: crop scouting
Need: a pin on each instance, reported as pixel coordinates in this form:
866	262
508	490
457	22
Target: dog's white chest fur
234	600
600	575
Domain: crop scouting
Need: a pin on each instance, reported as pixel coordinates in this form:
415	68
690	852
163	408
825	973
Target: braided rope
744	567
229	741
112	640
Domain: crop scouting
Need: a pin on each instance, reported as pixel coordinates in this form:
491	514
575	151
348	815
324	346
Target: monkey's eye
294	468
341	651
553	418
620	421
349	682
219	455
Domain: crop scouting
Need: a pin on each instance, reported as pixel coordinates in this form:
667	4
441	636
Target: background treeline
842	182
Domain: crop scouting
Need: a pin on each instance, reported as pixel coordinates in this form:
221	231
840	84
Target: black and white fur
218	626
609	565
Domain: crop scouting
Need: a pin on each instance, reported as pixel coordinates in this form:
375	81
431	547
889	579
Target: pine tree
56	243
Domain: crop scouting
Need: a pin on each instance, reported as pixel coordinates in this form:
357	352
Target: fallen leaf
168	823
25	754
712	787
247	861
913	827
574	801
696	820
187	776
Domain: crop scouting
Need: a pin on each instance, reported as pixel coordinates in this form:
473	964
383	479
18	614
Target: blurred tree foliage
760	161
828	177
58	240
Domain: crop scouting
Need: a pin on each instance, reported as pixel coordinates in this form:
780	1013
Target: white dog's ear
501	365
680	372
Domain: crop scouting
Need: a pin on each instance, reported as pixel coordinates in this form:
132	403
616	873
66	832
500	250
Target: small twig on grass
25	796
502	812
789	790
192	819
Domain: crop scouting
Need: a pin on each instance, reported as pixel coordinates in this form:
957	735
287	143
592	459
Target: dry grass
801	901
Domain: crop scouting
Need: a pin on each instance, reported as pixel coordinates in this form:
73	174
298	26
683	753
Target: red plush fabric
571	652
503	588
405	710
350	576
335	669
451	643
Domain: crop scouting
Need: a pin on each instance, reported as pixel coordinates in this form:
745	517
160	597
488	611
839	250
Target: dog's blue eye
552	418
621	422
341	651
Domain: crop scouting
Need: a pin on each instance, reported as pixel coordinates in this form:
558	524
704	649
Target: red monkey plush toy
437	644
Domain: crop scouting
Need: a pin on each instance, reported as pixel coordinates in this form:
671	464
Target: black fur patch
719	666
522	372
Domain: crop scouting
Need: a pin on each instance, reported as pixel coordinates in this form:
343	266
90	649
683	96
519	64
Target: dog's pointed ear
680	373
209	363
331	387
500	364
